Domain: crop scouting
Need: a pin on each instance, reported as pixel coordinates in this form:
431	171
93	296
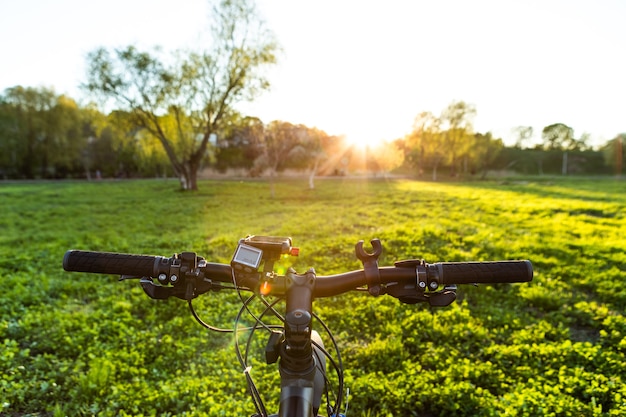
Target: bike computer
247	256
252	250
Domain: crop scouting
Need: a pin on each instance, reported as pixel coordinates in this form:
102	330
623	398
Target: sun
364	141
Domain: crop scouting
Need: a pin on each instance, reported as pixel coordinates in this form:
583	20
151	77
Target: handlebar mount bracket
370	265
180	276
427	285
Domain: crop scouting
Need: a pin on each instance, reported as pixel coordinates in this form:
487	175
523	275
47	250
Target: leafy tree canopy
185	99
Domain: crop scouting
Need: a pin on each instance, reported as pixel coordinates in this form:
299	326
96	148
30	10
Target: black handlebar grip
484	272
111	263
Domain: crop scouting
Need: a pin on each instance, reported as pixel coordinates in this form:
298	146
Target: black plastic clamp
370	265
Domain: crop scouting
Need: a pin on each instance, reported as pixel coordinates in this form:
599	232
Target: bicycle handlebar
411	273
111	263
186	276
485	272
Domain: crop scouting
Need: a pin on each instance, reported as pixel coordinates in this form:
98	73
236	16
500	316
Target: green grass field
81	344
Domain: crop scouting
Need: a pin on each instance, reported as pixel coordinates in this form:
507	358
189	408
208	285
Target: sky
365	68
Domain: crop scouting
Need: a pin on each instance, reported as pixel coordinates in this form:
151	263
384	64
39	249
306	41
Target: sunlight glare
364	141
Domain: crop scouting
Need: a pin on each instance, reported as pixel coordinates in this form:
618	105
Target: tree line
175	115
448	141
44	135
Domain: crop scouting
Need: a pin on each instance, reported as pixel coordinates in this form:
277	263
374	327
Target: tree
559	136
523	133
10	150
337	153
426	142
183	101
278	141
239	143
485	150
24	109
613	152
385	156
456	120
310	151
41	131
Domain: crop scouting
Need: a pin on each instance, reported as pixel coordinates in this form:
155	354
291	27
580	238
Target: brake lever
443	298
411	295
158	292
127	277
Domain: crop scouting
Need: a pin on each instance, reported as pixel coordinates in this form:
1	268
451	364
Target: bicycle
293	344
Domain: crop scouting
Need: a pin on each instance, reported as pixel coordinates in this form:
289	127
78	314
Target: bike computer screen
247	256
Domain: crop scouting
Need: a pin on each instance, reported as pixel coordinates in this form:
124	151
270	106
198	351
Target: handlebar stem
296	352
297	363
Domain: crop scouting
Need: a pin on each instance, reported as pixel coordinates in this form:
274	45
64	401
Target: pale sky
366	68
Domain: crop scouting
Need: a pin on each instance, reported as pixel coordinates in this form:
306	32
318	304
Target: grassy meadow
82	344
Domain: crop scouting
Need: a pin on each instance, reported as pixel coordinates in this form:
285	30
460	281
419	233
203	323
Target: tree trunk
188	179
312	175
185	170
272	191
619	156
193	180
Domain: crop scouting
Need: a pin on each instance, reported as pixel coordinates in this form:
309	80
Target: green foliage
184	100
41	133
81	344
